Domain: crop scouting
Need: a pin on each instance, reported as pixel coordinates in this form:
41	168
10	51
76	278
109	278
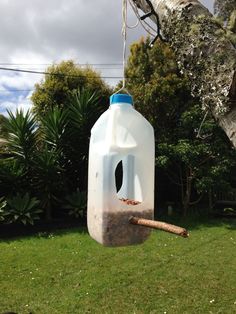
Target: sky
37	33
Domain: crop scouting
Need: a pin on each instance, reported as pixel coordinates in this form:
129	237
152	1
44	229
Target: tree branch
197	201
204	54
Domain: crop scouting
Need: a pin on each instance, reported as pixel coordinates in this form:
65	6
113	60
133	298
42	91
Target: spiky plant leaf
21	134
22	209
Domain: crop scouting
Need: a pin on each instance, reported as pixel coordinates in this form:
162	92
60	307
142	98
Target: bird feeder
122	140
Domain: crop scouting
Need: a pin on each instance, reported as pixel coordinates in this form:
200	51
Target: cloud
15	91
7	105
16	102
36	32
88	31
25	104
16	81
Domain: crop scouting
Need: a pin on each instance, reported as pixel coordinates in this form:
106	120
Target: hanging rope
201	125
124	34
137	22
203	137
147	26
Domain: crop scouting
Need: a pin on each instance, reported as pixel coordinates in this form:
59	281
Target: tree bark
188	189
204	53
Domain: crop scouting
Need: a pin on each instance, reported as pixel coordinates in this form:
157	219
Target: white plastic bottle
121	134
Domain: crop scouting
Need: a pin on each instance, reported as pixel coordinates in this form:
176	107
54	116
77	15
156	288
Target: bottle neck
121	105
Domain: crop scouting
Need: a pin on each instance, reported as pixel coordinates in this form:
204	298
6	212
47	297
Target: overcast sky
36	33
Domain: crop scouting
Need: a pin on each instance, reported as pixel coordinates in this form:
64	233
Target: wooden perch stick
159	225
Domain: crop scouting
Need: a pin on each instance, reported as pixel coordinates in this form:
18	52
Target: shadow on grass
41	229
195	222
62	227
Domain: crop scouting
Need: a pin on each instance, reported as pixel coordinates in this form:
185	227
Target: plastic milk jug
121	136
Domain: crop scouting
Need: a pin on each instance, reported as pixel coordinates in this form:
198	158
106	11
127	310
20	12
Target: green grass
68	272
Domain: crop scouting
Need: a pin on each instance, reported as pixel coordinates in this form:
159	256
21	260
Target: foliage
20	209
83	111
21	145
61	80
66	133
159	91
49	157
232	22
51	163
47	179
13	177
76	203
21	135
31	167
3	131
229	210
52	128
190	164
3	204
224	8
226	11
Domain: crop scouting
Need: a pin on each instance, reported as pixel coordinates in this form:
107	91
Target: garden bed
15	230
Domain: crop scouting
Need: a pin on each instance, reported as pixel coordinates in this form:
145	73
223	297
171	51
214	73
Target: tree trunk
48	212
204	54
188	189
210	198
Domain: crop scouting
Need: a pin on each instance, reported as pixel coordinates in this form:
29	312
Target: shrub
19	209
76	203
2	208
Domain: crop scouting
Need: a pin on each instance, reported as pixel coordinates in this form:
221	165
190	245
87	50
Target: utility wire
15	90
51	64
57	74
98	70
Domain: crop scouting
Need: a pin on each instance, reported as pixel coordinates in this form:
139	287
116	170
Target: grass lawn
68	272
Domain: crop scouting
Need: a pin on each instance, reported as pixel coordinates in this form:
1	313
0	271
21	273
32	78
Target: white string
200	128
145	25
124	34
148	28
135	25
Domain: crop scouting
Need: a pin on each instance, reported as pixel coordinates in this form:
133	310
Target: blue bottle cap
121	98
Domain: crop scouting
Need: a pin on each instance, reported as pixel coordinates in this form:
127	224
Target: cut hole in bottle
128	186
119	176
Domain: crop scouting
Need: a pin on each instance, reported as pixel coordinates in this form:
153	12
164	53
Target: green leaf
24	221
22	208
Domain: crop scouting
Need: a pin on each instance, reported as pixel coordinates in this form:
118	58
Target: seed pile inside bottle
129	202
117	230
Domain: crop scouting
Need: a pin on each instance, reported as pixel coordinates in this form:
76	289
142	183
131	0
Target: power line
15	90
56	74
41	68
99	66
51	64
